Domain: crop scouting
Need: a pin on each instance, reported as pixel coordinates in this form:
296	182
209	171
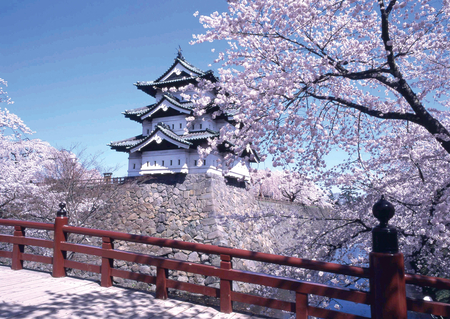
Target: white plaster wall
239	170
173	121
160	161
146	127
203	123
183	161
134	164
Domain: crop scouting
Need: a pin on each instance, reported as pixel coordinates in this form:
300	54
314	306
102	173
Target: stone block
208	221
193	257
160	228
161	217
133	216
183	278
211	280
173	225
180	256
207	208
169	233
161	251
206	196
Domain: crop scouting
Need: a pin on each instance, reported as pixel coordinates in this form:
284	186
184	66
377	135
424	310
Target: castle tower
166	145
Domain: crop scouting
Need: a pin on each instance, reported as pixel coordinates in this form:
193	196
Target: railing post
17	262
226	305
301	306
387	271
161	283
107	264
59	256
107	178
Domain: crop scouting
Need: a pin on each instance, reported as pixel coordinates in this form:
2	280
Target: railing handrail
427	281
362	272
27	224
220	250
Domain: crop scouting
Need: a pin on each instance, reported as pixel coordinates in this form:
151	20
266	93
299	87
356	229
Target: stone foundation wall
205	209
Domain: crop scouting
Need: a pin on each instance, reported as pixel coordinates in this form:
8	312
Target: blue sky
71	65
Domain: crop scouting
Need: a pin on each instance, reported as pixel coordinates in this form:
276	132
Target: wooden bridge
386	275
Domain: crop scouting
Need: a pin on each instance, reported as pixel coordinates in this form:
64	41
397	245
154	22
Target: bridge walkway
30	294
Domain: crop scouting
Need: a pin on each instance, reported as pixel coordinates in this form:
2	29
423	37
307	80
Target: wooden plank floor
33	294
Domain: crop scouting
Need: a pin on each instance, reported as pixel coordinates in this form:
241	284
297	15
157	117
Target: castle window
134	166
148	131
147	163
193	126
204	163
181	125
170	162
155	163
162	163
179	162
195	162
200	126
173	126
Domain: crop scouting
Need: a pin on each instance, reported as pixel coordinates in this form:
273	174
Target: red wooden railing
386	272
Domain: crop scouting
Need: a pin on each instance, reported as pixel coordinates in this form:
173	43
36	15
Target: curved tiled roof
187	139
184	63
200	135
149	87
186	105
135	114
139	111
168	131
125	145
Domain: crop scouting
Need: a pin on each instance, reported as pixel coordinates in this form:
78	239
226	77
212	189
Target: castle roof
176	107
180	73
125	145
162	137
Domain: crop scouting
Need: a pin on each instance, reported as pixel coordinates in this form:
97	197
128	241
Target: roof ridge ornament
180	53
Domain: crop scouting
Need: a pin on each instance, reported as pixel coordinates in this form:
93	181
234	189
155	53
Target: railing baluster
226	305
161	283
301	306
107	264
387	269
17	262
59	256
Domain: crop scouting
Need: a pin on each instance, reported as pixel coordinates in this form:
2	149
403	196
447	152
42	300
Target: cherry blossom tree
287	186
73	177
369	79
3	95
36	177
20	160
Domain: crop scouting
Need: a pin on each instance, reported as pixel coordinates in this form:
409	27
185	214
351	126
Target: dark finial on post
62	212
384	236
383	211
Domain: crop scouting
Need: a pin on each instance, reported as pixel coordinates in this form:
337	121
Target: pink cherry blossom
305	80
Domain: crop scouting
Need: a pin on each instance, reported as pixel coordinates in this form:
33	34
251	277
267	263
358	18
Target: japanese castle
167	143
